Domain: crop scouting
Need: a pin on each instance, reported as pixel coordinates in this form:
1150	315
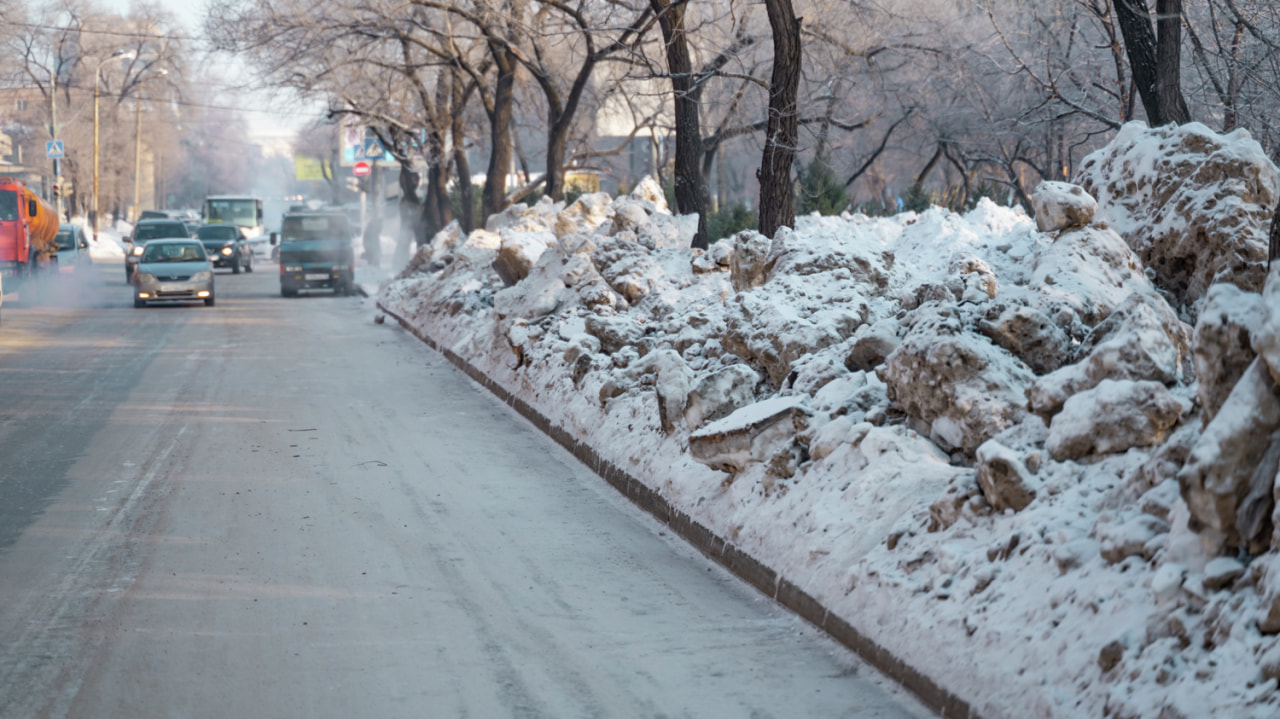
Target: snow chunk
1141	340
955	380
1220	343
1194	205
1061	205
1112	417
1228	479
752	434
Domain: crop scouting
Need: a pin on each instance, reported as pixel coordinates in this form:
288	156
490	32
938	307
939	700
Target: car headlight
293	268
146	277
226	251
201	276
137	250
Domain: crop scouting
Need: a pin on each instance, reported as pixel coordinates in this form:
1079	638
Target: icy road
277	508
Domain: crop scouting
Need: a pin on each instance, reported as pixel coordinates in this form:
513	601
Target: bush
820	191
455	203
730	220
874	208
918	199
571	194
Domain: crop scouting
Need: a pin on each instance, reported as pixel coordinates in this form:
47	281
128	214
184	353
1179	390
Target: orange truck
28	230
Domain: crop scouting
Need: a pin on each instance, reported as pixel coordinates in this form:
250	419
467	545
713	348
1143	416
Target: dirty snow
908	341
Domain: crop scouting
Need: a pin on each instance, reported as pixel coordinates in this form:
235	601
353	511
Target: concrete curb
748	568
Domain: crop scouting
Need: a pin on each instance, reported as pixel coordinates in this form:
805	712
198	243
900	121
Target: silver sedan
173	270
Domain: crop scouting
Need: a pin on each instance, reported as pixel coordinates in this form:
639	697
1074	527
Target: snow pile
979	443
1194	205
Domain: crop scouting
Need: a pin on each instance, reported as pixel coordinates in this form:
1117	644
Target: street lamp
97	82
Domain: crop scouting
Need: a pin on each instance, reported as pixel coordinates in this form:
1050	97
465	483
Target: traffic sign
360	169
370	150
53	149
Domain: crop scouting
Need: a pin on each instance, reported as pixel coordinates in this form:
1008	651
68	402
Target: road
278	508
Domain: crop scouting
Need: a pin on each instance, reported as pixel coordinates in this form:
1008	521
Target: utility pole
53	131
97	80
137	157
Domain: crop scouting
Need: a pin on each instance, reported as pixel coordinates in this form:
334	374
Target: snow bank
979	444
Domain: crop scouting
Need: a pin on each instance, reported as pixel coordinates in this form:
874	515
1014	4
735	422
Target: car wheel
249	265
235	267
287	292
137	303
208	302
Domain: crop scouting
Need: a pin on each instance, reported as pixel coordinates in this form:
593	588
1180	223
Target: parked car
73	249
315	253
173	270
227	247
146	230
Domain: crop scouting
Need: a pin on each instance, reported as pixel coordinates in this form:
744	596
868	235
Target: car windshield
173	252
151	231
314	228
67	239
235	211
217	232
8	206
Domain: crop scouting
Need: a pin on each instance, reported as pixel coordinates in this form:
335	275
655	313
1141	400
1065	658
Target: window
8	206
314	227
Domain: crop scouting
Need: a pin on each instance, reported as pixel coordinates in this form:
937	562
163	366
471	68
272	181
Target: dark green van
316	252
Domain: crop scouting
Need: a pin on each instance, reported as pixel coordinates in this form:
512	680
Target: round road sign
360	169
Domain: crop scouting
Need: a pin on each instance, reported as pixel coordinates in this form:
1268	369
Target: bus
240	210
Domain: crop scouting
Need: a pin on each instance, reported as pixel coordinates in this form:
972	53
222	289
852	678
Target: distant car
190	218
226	246
73	249
159	215
173	270
185	215
146	230
316	252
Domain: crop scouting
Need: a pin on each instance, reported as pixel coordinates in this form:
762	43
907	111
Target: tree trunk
410	214
1155	64
436	212
459	92
559	122
1169	61
494	199
1273	247
777	199
690	190
373	227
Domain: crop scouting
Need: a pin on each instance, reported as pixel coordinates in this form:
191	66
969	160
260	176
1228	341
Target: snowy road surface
277	508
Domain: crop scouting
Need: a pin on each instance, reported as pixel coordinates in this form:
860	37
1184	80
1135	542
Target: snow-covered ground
1007	450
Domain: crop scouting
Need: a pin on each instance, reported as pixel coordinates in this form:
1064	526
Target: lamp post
97	82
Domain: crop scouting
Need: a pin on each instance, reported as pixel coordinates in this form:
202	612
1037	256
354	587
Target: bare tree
1236	58
62	49
547	64
1155	57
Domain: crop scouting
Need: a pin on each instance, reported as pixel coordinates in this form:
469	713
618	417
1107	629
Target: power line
198	105
116	33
